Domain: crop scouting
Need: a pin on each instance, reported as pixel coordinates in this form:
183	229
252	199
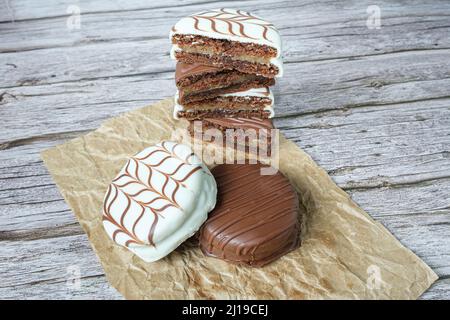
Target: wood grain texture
370	106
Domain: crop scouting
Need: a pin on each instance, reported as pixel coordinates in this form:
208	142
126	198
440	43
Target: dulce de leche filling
210	52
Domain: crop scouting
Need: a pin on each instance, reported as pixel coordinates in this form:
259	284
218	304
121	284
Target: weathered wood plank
419	216
30	268
439	291
304	40
401	161
377	144
382	134
33	279
28	10
417	231
413	166
341	85
323	33
398	141
91	287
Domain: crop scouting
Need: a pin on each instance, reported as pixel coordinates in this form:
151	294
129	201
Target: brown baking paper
345	254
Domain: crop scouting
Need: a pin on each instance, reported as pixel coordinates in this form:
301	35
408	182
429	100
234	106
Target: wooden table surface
367	98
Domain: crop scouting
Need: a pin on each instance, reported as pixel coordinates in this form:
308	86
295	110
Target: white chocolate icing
159	199
278	62
176	106
233	25
256	92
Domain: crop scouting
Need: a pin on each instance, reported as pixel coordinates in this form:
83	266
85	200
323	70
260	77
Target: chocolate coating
256	219
184	70
240	123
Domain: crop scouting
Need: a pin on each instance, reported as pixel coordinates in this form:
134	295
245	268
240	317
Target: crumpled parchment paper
345	254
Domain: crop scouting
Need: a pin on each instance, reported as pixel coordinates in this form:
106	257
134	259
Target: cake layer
250	103
228	38
198	82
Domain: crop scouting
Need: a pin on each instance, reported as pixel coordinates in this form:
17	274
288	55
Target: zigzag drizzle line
234	19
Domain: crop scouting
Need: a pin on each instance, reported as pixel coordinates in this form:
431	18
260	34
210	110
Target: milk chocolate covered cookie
253	103
197	82
159	199
230	39
254	136
224	124
256	218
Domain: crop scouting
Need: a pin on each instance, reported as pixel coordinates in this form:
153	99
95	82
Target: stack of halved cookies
226	62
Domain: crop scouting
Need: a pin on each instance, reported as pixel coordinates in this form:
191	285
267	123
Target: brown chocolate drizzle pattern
256	219
184	70
134	178
232	20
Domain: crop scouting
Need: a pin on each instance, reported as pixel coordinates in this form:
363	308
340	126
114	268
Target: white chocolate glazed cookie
230	24
159	199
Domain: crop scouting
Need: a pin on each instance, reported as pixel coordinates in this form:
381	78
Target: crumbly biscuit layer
222	46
